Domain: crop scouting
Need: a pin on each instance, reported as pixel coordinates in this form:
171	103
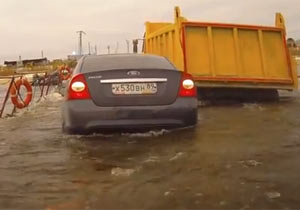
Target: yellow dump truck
221	55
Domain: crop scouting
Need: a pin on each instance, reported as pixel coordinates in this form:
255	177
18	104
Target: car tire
65	129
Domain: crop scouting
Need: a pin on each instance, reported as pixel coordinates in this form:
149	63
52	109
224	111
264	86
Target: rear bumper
84	116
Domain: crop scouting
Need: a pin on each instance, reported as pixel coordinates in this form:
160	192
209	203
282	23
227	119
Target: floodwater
239	156
36	96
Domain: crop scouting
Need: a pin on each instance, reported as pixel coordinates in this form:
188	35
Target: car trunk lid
133	87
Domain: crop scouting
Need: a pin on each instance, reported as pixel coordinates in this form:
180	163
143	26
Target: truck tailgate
226	55
236	53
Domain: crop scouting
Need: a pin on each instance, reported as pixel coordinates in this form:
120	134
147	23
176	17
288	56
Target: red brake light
187	86
78	88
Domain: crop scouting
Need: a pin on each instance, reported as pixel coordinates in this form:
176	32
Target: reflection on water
235	157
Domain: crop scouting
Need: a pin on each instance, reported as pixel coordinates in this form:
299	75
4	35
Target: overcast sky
29	26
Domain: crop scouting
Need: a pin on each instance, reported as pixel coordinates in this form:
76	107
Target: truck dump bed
225	55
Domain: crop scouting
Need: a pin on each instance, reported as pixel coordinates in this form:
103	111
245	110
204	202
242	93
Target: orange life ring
62	75
20	104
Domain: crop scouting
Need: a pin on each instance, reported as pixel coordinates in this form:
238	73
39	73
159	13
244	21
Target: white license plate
134	88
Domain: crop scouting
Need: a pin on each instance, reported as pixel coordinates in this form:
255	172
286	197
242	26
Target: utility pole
89	48
42	53
117	48
96	51
127	42
135	43
108	49
80	41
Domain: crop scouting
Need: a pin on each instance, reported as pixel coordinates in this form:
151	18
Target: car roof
93	63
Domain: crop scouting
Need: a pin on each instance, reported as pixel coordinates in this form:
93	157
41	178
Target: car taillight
187	86
78	88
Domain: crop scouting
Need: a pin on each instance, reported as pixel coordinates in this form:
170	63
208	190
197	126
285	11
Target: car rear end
146	93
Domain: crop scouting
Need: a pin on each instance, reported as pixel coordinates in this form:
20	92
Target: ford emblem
133	73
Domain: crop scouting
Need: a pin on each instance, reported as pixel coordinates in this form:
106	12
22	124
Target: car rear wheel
66	130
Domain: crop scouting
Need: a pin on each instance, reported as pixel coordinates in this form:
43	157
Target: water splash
177	156
253	107
123	172
147	134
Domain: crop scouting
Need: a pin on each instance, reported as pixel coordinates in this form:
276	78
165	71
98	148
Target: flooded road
238	156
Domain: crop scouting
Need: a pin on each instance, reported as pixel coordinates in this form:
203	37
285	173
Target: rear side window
113	62
78	66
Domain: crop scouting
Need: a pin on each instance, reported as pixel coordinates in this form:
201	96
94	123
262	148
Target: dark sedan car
128	92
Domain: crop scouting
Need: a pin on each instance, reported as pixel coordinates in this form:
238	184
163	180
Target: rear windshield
113	62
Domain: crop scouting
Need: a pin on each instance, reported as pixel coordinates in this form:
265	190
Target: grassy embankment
30	69
52	66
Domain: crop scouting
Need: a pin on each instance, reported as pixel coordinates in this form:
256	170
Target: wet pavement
241	156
